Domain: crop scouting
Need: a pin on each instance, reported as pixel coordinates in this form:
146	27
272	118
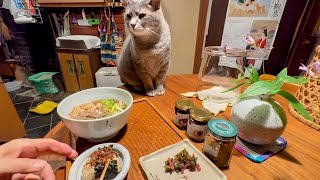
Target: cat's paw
160	91
151	93
156	92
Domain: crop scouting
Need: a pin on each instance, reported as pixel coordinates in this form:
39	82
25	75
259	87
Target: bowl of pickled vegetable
96	114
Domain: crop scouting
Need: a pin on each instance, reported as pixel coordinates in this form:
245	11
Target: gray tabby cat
145	56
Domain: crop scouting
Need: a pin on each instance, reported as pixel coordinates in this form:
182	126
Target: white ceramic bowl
76	168
99	129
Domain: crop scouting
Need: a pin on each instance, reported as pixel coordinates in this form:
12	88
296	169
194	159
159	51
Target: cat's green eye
128	16
142	15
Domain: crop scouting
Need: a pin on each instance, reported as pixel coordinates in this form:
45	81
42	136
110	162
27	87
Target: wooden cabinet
85	74
10	123
68	71
78	68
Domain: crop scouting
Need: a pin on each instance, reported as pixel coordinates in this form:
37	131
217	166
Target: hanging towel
66	25
109	40
118	38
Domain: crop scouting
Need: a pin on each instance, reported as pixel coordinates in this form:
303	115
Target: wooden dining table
299	160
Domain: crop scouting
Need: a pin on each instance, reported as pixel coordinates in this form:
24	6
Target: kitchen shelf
76	3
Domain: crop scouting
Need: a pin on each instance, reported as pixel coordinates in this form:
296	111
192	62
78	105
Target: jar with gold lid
219	141
197	124
182	112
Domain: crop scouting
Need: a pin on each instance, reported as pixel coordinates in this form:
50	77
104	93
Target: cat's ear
126	2
155	4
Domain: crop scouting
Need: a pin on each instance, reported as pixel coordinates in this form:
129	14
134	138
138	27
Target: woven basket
309	96
44	86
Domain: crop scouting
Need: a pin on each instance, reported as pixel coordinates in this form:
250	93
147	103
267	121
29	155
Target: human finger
45	146
26	166
25	177
32	148
47	173
21	165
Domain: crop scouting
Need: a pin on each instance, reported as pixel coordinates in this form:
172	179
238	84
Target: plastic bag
15	6
18	11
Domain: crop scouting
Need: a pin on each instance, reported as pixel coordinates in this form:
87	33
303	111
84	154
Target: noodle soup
98	109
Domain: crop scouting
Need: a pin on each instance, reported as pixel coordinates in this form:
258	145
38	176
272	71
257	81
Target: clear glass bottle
220	66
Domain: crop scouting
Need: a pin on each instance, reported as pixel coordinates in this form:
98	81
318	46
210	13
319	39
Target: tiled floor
37	126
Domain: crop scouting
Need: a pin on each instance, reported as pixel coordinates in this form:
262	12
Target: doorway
293	43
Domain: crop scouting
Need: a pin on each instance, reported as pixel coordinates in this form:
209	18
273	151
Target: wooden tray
147	131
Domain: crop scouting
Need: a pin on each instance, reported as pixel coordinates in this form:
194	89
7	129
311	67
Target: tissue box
108	77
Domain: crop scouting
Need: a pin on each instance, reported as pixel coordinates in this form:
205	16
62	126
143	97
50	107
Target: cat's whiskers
150	31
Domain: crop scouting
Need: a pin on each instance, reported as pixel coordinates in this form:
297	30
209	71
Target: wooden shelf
76	3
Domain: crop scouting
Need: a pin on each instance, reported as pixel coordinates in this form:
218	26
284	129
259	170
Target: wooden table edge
61	125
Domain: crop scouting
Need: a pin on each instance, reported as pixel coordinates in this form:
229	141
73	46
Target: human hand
18	158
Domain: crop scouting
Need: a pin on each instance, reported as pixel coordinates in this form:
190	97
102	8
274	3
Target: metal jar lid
184	104
200	114
222	128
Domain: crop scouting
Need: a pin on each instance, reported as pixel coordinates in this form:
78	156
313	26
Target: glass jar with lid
219	141
220	66
182	112
197	124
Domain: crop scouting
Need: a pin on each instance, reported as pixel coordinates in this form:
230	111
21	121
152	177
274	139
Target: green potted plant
259	118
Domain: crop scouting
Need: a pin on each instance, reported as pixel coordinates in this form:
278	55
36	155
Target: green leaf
279	80
235	87
283	73
300	80
237	80
259	88
282	78
295	104
274	92
254	75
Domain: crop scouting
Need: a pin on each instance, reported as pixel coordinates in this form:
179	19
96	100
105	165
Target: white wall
182	17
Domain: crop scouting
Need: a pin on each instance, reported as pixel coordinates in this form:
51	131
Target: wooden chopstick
68	166
105	169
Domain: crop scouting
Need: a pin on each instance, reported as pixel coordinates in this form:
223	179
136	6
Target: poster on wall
243	8
258	19
263	32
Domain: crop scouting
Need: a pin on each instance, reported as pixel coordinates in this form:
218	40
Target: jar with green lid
197	124
182	112
219	141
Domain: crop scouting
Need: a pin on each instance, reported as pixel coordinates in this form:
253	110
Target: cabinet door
68	71
10	124
84	72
